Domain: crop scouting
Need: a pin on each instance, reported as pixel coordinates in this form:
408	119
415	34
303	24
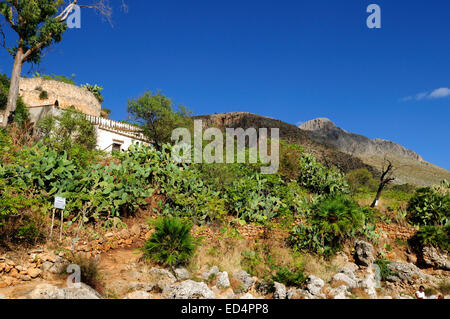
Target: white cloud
421	96
436	94
440	93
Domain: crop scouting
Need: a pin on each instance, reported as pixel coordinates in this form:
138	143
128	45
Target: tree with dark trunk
385	179
38	24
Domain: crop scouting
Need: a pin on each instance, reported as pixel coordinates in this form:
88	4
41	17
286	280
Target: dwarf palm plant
171	243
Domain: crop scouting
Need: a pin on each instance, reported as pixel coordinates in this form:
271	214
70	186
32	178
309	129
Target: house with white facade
111	135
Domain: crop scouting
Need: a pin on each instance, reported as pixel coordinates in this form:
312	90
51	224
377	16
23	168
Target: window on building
116	147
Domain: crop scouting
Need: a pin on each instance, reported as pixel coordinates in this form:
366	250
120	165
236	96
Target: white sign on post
60	203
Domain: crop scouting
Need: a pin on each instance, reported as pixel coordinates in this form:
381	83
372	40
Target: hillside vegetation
282	227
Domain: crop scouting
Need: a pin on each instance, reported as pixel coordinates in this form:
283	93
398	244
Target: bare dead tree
385	179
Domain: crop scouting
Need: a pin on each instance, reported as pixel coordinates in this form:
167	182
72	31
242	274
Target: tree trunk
377	197
14	86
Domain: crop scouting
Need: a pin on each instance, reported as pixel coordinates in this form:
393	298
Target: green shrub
252	198
188	196
21	214
290	155
171	244
21	114
331	223
43	95
71	132
429	207
251	260
319	179
290	278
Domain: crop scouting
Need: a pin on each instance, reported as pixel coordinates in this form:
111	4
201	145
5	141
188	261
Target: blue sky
291	60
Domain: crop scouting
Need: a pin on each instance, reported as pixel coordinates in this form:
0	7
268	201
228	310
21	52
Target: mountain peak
318	124
324	131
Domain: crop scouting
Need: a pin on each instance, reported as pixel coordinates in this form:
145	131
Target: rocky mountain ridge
324	131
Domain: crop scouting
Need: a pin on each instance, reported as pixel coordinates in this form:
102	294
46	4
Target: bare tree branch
3	39
385	178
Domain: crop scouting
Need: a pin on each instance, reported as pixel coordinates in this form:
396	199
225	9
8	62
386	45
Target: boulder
81	292
162	278
59	266
407	273
34	272
435	258
244	279
190	289
45	267
349	270
364	254
345	279
211	273
182	274
46	291
247	296
314	285
222	280
2	296
280	291
369	284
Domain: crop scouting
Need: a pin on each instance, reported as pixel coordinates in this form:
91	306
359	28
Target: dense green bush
320	179
96	190
251	198
188	196
65	131
171	244
21	214
429	207
331	223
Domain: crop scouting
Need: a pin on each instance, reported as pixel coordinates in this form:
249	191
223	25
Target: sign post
60	203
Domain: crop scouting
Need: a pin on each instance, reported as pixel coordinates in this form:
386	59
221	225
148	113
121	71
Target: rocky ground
126	275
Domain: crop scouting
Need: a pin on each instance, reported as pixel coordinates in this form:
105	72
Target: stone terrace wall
66	94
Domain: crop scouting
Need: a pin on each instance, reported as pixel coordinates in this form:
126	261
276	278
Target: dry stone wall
67	95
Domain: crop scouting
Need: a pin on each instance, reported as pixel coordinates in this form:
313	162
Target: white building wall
106	139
